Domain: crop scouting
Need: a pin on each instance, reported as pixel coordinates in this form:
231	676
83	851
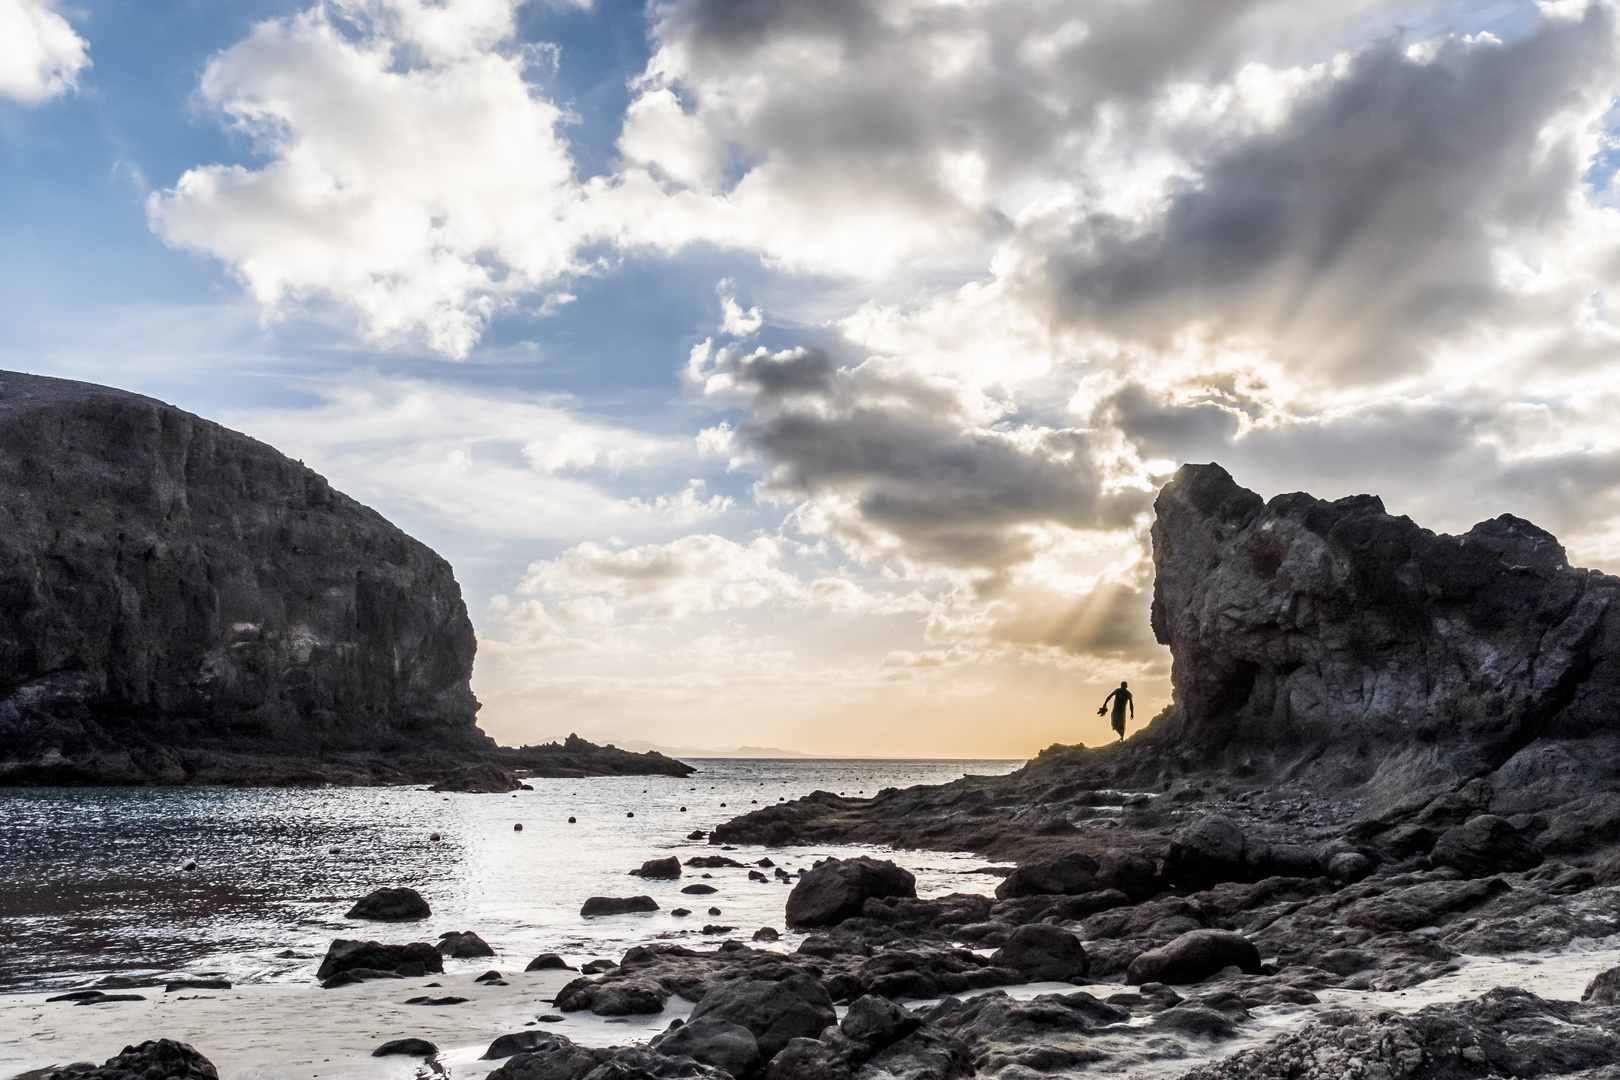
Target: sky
801	374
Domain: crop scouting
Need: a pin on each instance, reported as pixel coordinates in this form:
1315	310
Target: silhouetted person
1122	701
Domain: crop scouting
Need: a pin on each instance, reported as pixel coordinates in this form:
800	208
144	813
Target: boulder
1042	952
1483	846
463	945
664	869
390	905
836	889
1205	853
1068	875
406	1048
1604	989
1129	872
517	1043
155	1059
557	1058
617	905
878	1021
699	889
360	975
1194	957
185	604
344	954
797	1006
481	779
548	962
712	1041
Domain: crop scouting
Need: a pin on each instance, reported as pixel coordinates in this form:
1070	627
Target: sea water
93	890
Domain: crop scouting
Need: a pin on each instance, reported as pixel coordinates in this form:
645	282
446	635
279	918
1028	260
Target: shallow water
91	885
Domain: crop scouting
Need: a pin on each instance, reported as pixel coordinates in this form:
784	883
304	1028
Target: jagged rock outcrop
1351	646
184	602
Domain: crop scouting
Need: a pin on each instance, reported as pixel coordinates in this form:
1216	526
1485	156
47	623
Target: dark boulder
1205	853
518	1043
699	889
712	1041
617	905
1483	846
480	779
663	869
362	974
548	962
1068	875
613	997
1194	957
156	1059
406	1048
797	1006
1604	989
836	890
878	1021
1042	952
1129	872
557	1058
463	945
390	905
418	957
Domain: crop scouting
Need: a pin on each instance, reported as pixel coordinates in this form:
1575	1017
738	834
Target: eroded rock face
1299	624
178	594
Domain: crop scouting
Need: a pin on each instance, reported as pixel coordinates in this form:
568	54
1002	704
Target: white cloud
413	174
40	55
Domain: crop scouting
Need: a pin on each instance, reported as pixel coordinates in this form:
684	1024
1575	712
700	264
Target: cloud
1373	223
700	573
895	462
40	55
413	175
502	465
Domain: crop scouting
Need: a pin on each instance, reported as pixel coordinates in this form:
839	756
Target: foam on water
92	884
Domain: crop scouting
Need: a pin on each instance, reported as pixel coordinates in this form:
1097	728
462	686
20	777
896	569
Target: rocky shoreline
1385	786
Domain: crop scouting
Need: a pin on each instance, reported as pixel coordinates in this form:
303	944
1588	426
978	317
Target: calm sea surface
91	886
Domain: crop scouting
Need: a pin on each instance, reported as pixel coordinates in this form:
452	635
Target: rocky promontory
184	604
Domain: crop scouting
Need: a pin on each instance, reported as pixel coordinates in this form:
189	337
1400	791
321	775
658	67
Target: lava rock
712	1041
1483	846
1193	957
1068	875
664	869
481	779
1043	953
1604	989
406	1048
617	905
155	1059
548	962
390	905
878	1021
463	945
699	889
767	933
518	1043
797	1006
1205	853
345	954
836	889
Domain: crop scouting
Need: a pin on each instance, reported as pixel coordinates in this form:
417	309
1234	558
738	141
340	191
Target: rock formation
1336	641
181	598
185	604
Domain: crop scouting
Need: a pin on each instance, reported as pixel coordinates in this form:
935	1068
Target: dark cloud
1366	226
925	477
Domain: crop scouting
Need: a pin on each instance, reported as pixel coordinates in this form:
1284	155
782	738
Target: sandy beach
301	1032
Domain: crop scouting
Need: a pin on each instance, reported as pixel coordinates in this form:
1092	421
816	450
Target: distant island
712	752
186	605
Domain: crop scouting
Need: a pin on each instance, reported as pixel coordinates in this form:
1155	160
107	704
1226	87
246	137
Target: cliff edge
183	602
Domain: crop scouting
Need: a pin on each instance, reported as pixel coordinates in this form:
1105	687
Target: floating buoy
433	836
518	827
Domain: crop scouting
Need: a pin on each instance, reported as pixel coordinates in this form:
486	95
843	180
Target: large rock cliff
179	601
1335	641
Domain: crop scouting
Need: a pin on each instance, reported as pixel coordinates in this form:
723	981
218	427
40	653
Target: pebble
572	821
518	827
433	836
